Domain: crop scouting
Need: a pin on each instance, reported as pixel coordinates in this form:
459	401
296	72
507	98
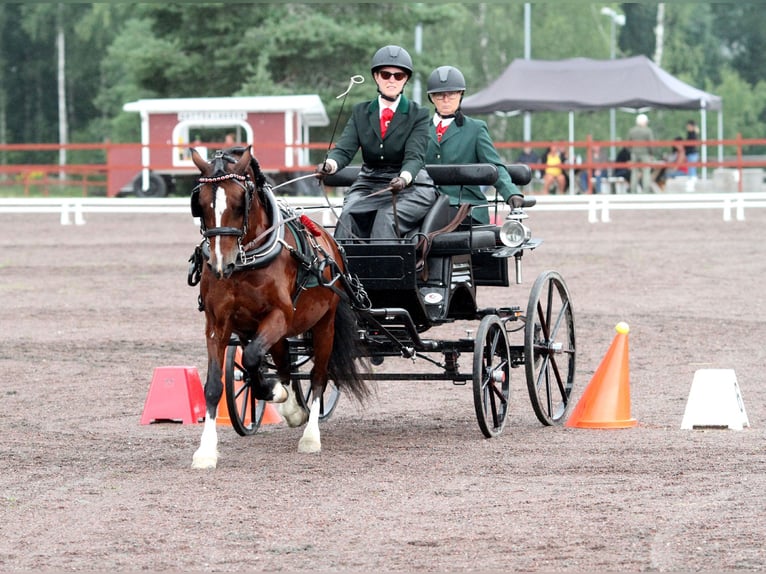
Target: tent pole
703	147
571	155
720	135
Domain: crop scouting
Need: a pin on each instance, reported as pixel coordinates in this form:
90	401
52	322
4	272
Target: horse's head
228	205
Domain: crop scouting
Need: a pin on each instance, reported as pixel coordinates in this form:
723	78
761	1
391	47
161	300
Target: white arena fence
598	207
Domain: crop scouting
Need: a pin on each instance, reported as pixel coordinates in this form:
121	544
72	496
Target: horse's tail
346	356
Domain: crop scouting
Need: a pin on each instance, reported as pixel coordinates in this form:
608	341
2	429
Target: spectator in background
677	159
641	132
553	159
623	157
529	157
692	151
597	156
675	163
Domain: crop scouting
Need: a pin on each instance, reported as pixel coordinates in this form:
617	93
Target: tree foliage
119	52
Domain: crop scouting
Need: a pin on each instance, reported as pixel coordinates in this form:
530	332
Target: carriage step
514	311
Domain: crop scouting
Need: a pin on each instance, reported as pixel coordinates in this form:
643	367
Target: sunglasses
398	76
445	95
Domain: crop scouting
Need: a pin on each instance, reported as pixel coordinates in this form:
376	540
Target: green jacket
469	143
404	146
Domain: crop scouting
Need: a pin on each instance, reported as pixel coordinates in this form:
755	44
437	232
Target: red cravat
385	119
440	129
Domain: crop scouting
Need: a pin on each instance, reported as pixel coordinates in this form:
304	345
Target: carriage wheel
245	412
549	348
327	403
491	376
302	388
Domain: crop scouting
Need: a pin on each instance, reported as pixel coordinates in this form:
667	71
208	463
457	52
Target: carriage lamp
514	233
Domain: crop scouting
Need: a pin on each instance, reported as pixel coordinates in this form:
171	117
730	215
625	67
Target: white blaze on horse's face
220	207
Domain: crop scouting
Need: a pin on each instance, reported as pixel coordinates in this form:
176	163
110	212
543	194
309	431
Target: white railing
598	207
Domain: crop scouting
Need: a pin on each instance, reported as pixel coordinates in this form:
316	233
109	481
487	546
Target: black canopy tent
584	84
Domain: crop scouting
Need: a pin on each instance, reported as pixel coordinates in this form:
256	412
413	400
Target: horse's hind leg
323	341
293	413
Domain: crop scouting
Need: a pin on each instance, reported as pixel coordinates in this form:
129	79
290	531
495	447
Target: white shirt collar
444	121
386	104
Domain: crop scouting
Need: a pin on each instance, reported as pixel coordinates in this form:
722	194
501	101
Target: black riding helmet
395	56
447	79
392	56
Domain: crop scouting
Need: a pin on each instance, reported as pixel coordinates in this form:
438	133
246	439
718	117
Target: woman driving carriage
392	132
458	139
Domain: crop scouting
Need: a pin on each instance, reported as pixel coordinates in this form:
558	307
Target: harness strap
424	244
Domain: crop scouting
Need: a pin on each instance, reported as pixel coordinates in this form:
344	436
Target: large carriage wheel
491	376
245	412
549	348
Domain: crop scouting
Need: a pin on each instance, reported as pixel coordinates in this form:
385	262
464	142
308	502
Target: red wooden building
276	126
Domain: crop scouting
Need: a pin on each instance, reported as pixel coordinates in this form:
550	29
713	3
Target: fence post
739	162
65	213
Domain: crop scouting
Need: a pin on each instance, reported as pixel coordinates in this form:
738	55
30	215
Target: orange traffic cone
175	393
605	402
270	414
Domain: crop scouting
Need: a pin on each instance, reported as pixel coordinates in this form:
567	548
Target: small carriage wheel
245	412
327	403
549	348
491	376
302	388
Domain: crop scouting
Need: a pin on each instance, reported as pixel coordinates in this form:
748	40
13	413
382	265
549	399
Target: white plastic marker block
715	401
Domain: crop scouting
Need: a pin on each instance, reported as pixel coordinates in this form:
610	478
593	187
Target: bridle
248	187
251	255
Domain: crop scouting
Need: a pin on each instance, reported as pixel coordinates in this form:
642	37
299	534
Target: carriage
409	290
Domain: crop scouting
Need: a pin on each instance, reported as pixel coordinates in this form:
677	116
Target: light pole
617	20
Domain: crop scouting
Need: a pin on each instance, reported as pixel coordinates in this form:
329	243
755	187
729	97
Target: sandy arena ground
406	483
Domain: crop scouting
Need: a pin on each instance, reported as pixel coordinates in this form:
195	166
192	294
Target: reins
353	80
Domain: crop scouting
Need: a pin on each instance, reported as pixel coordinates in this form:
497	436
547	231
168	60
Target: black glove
323	169
398	184
516	201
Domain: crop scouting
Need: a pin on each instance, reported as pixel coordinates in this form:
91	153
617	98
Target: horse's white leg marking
310	440
206	455
281	392
290	410
220	207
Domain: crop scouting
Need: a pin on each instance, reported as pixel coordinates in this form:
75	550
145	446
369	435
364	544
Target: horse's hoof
308	446
295	418
204	462
208	464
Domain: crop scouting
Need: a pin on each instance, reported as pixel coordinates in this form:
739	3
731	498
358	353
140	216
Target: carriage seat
454	242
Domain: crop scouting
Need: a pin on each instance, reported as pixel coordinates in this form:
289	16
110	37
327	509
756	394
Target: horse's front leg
206	456
269	339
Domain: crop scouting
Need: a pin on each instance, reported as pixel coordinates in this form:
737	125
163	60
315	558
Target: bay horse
266	276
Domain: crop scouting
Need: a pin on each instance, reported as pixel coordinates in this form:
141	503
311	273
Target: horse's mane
232	155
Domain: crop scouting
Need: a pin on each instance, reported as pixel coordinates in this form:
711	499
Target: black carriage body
441	290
